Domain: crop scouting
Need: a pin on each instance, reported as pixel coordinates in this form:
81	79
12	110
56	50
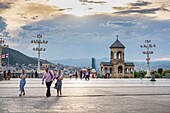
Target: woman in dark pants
48	79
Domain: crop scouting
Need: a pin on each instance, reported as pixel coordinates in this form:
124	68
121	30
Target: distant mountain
18	57
86	62
83	62
154	65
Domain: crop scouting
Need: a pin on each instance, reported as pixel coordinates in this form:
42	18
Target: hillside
18	57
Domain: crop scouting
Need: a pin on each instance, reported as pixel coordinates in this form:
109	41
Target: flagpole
8	60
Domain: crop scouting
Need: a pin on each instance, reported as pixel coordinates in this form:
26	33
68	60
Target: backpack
51	75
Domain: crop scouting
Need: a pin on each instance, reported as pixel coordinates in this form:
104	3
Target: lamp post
147	45
39	48
2	45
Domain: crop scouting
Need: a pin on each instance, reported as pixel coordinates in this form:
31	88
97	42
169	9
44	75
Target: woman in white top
58	84
22	82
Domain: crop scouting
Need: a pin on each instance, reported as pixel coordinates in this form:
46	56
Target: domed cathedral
117	67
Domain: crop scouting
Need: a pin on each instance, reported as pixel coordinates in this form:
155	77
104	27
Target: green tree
136	74
160	70
166	71
158	75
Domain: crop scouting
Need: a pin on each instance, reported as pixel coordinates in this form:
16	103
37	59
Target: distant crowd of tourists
83	74
87	74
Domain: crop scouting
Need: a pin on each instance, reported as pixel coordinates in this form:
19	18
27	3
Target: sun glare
78	13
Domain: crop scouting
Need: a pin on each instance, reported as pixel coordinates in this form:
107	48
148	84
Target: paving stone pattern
94	96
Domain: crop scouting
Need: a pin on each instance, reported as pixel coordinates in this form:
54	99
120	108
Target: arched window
120	69
105	70
114	55
126	70
119	55
110	70
131	70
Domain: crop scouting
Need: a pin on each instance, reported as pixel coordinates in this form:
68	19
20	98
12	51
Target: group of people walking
48	78
85	74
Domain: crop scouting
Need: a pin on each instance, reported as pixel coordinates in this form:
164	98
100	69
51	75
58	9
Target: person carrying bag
48	77
58	84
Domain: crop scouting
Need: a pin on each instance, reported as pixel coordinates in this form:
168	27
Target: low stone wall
129	75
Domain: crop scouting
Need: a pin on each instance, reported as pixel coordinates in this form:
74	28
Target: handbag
55	86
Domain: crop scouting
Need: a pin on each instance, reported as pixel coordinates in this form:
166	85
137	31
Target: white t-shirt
59	76
23	76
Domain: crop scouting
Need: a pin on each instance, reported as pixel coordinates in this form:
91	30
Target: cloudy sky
87	28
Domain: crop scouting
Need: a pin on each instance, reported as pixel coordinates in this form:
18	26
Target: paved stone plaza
94	96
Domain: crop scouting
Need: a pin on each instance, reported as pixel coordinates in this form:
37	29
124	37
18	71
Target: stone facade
117	67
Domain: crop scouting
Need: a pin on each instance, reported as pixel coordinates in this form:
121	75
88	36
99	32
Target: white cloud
124	24
162	59
149	8
25	12
25	22
20	12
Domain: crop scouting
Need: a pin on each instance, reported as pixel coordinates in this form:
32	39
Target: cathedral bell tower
117	67
117	52
117	57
